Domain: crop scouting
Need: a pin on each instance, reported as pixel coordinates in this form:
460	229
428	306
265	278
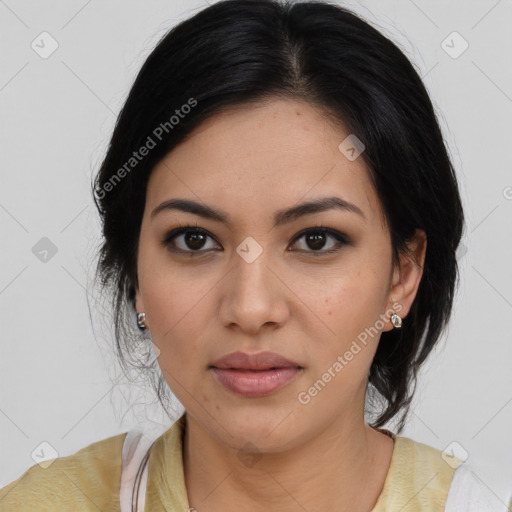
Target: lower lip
255	383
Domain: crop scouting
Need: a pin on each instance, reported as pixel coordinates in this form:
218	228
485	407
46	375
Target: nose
253	296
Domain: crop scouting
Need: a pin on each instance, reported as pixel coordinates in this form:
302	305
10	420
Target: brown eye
188	239
315	241
194	239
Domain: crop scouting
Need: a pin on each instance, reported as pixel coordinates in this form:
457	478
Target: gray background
59	381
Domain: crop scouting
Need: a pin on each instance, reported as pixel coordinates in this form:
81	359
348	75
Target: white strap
134	471
468	494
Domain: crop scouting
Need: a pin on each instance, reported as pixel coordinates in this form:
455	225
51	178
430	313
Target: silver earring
141	321
396	320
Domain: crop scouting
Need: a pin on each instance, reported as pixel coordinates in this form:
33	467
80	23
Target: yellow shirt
89	480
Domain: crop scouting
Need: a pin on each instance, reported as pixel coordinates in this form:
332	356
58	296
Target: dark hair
237	52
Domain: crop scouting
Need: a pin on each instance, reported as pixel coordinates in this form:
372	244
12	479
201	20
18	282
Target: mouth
254	374
265	360
253	383
255	369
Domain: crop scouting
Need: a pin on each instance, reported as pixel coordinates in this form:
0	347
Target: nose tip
253	295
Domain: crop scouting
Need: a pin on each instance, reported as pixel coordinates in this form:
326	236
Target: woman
280	218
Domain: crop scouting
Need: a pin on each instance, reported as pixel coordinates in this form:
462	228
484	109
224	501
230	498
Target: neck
342	468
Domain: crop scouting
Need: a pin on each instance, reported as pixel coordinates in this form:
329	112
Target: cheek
352	297
169	294
173	311
179	314
351	305
342	358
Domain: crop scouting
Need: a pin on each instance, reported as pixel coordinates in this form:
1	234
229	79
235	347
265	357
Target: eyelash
318	229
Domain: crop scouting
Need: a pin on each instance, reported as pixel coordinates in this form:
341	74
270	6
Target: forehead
264	157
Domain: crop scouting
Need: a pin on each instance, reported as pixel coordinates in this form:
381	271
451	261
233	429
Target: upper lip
254	361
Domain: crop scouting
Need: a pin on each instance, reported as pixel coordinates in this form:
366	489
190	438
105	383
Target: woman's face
260	282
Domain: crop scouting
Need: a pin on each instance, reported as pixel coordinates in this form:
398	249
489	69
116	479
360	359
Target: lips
254	361
255	375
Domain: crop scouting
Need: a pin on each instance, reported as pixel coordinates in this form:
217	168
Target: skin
251	162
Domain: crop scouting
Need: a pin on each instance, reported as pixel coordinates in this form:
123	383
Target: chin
270	430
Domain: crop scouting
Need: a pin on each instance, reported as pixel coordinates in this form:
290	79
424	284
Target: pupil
194	240
317	240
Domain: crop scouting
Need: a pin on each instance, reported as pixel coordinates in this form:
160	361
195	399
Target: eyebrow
281	217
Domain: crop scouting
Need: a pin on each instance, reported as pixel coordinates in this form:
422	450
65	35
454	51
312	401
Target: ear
139	303
406	278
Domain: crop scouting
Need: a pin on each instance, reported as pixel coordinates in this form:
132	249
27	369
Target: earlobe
140	312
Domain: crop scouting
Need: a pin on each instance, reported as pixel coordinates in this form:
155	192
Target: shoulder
426	464
419	477
426	478
84	481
